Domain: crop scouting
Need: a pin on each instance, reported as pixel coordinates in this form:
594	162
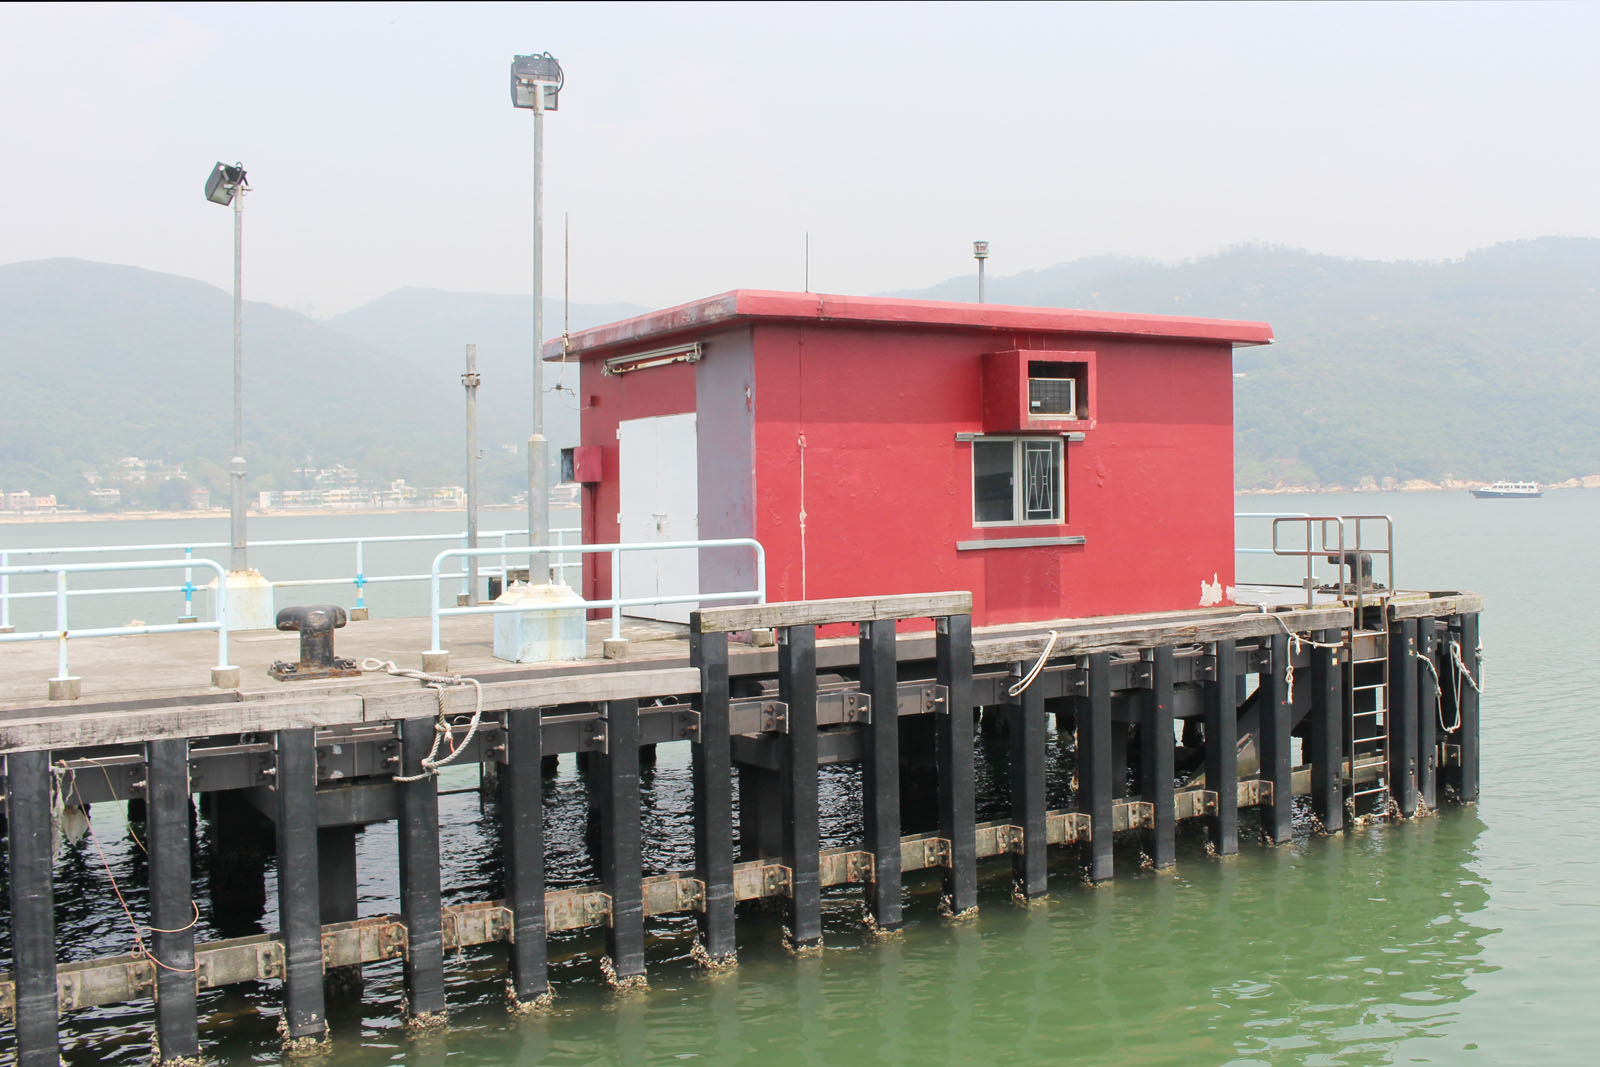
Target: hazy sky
696	145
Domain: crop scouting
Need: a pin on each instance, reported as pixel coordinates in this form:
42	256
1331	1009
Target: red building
1056	463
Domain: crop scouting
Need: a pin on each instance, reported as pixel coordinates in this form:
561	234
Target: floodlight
980	250
531	75
223	183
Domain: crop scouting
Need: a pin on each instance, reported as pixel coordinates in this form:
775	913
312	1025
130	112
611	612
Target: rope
443	728
59	771
1438	694
1295	643
1461	668
1462	675
1049	646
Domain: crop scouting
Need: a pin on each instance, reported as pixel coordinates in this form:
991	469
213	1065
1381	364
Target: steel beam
1156	757
172	914
957	794
621	839
299	908
797	688
880	774
1095	786
419	874
522	830
712	768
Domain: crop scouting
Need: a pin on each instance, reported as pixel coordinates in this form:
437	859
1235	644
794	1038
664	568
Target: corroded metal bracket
573	909
477	923
382	937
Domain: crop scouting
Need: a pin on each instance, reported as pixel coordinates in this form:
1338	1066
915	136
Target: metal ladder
1366	700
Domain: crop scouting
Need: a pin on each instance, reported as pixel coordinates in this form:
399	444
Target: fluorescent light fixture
223	183
656	357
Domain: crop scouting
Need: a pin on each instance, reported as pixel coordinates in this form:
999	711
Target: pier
1327	708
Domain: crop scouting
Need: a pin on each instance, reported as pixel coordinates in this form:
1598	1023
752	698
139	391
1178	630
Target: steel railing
616	602
63	633
1342	540
361	579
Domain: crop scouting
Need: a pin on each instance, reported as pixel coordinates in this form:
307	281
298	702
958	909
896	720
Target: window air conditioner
1055	397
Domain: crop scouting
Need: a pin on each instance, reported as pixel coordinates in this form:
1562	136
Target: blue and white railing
560	565
64	633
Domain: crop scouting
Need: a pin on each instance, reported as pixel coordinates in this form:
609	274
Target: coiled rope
443	728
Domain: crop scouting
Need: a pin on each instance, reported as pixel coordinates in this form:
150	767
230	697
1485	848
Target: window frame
1019	509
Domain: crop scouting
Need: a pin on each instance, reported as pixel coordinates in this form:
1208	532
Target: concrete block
188	618
436	662
250	601
66	688
360	614
763	638
614	648
225	677
556	632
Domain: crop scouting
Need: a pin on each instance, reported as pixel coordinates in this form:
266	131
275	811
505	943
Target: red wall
887	490
887	487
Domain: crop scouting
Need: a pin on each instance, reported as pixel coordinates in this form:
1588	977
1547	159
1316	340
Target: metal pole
5	595
238	559
980	281
470	381
538	490
61	625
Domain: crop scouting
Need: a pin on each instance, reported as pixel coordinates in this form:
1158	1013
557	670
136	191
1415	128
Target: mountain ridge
1473	368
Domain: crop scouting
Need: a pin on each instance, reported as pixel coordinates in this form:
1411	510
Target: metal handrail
63	632
361	579
617	602
1264	515
1345	552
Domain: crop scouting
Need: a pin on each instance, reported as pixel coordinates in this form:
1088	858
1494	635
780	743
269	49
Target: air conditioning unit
1053	397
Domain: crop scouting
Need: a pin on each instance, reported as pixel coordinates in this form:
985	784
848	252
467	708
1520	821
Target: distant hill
1477	368
102	361
430	329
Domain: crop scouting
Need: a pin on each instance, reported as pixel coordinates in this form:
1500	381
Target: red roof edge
756	304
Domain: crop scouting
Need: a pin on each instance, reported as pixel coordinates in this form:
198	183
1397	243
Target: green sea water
1468	936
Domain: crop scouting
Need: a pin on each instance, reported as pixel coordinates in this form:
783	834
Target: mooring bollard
315	624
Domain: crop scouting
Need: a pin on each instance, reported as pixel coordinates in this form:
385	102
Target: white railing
1340	539
616	602
63	632
361	579
1264	550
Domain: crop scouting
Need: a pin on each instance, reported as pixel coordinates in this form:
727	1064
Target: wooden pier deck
317	757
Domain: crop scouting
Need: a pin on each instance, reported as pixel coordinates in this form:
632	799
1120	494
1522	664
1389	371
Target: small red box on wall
586	467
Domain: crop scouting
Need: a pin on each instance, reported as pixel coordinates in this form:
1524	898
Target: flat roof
757	305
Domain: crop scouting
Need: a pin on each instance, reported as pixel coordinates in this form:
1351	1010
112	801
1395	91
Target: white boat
1508	490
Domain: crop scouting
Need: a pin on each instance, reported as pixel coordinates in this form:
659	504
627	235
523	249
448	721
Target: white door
660	501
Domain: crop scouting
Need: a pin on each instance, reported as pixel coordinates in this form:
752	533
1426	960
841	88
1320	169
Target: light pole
470	381
225	186
536	85
980	252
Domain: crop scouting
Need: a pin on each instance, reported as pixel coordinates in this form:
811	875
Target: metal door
660	501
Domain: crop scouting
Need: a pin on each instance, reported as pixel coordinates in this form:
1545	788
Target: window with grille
1017	480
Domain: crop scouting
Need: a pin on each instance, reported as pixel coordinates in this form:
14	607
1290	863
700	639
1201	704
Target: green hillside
104	361
1478	368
